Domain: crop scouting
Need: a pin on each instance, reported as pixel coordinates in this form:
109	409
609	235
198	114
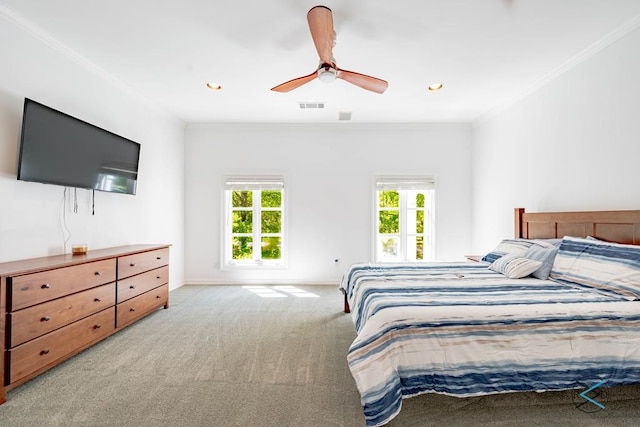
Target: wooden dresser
52	308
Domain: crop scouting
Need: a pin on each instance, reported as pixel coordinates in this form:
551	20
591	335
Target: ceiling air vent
344	115
304	105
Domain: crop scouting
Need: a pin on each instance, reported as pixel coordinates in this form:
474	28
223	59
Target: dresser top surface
33	265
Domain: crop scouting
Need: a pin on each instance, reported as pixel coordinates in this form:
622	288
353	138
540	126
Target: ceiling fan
321	25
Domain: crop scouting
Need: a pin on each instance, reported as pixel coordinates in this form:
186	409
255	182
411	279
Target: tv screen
56	148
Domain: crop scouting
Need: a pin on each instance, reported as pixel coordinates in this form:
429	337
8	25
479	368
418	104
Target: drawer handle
45	351
45	319
157	277
132	287
158	297
98	273
46	286
98	326
132	265
97	300
132	309
159	257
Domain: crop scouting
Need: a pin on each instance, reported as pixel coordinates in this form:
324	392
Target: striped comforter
461	329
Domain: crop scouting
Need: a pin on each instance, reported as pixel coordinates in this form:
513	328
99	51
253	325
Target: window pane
389	222
242	199
388	248
271	221
241	247
242	221
415	199
415	248
389	199
420	221
271	248
271	198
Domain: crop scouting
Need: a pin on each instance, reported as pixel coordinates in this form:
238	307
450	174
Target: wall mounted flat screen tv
56	148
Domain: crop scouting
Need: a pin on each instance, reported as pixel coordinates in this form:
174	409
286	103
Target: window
254	225
404	219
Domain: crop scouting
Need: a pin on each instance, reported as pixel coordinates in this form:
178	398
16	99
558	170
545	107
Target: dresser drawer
35	288
142	305
141	283
46	350
138	263
41	319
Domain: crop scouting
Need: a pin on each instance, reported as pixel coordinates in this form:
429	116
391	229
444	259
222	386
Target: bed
556	307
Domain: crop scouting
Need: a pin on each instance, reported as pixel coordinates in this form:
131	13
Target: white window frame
404	183
255	184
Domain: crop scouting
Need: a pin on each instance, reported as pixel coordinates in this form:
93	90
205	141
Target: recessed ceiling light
214	86
435	86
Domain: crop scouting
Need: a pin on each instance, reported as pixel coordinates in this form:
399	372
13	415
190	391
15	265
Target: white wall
571	145
31	214
329	171
574	144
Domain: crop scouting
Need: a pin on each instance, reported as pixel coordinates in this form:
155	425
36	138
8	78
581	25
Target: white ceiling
487	53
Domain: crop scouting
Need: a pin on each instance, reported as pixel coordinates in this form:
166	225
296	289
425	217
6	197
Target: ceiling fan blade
295	83
321	26
366	82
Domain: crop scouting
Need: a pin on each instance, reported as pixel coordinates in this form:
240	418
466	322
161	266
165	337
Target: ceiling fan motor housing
327	73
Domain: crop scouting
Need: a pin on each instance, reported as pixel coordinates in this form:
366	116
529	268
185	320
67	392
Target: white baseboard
257	282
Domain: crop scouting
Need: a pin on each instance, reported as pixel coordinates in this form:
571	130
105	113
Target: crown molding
41	35
572	62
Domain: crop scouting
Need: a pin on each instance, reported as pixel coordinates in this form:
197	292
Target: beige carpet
231	356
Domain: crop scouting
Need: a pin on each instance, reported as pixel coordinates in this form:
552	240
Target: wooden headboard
613	226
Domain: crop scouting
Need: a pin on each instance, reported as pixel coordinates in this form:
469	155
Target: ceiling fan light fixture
327	74
213	86
435	86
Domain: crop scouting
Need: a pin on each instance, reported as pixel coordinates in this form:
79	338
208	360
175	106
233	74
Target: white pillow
515	267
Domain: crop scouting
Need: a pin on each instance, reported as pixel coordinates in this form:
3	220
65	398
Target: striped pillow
609	267
515	267
508	247
544	254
